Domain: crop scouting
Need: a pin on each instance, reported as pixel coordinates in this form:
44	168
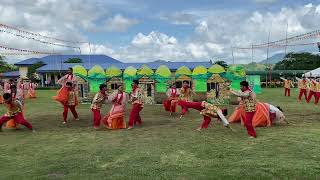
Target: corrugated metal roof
153	65
53	59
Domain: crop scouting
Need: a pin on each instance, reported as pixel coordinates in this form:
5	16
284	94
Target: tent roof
313	73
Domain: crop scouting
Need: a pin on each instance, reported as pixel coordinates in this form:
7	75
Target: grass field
163	148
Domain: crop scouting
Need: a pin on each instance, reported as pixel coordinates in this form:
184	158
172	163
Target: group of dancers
115	119
308	87
13	96
67	96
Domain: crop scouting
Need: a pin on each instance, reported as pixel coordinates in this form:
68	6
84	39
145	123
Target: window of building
114	86
211	86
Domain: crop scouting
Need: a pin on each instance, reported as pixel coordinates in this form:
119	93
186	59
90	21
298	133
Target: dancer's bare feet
130	127
199	129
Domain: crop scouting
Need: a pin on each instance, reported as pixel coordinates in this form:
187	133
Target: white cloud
58	18
118	23
243	28
179	18
202	27
154	38
197	51
214	31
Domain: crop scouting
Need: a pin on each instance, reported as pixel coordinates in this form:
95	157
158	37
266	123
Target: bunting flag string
277	46
17	54
309	35
26	51
41	41
284	42
39	35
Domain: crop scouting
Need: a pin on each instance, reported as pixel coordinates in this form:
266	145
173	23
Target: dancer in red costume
16	94
115	118
186	94
208	111
14	112
303	86
62	93
137	105
313	90
317	91
7	86
248	99
170	104
287	86
69	100
32	90
23	87
100	98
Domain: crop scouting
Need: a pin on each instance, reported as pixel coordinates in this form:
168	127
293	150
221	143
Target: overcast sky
146	30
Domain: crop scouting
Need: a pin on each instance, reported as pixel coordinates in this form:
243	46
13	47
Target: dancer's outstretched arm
222	117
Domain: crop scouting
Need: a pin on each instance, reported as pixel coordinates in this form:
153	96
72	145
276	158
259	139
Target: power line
24	50
37	34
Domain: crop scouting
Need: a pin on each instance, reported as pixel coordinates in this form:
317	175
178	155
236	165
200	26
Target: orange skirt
11	124
63	96
114	121
261	117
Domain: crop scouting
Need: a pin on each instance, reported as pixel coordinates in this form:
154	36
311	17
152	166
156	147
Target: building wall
23	71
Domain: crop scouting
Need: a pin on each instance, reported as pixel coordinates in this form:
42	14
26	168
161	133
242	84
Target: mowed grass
163	148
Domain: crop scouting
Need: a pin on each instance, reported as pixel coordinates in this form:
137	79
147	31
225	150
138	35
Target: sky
148	30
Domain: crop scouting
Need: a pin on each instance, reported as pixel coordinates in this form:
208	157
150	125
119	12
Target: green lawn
163	148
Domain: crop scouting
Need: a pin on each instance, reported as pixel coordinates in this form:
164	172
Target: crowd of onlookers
277	83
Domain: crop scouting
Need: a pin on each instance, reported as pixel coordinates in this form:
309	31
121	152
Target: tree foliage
73	60
222	63
299	61
4	66
32	70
